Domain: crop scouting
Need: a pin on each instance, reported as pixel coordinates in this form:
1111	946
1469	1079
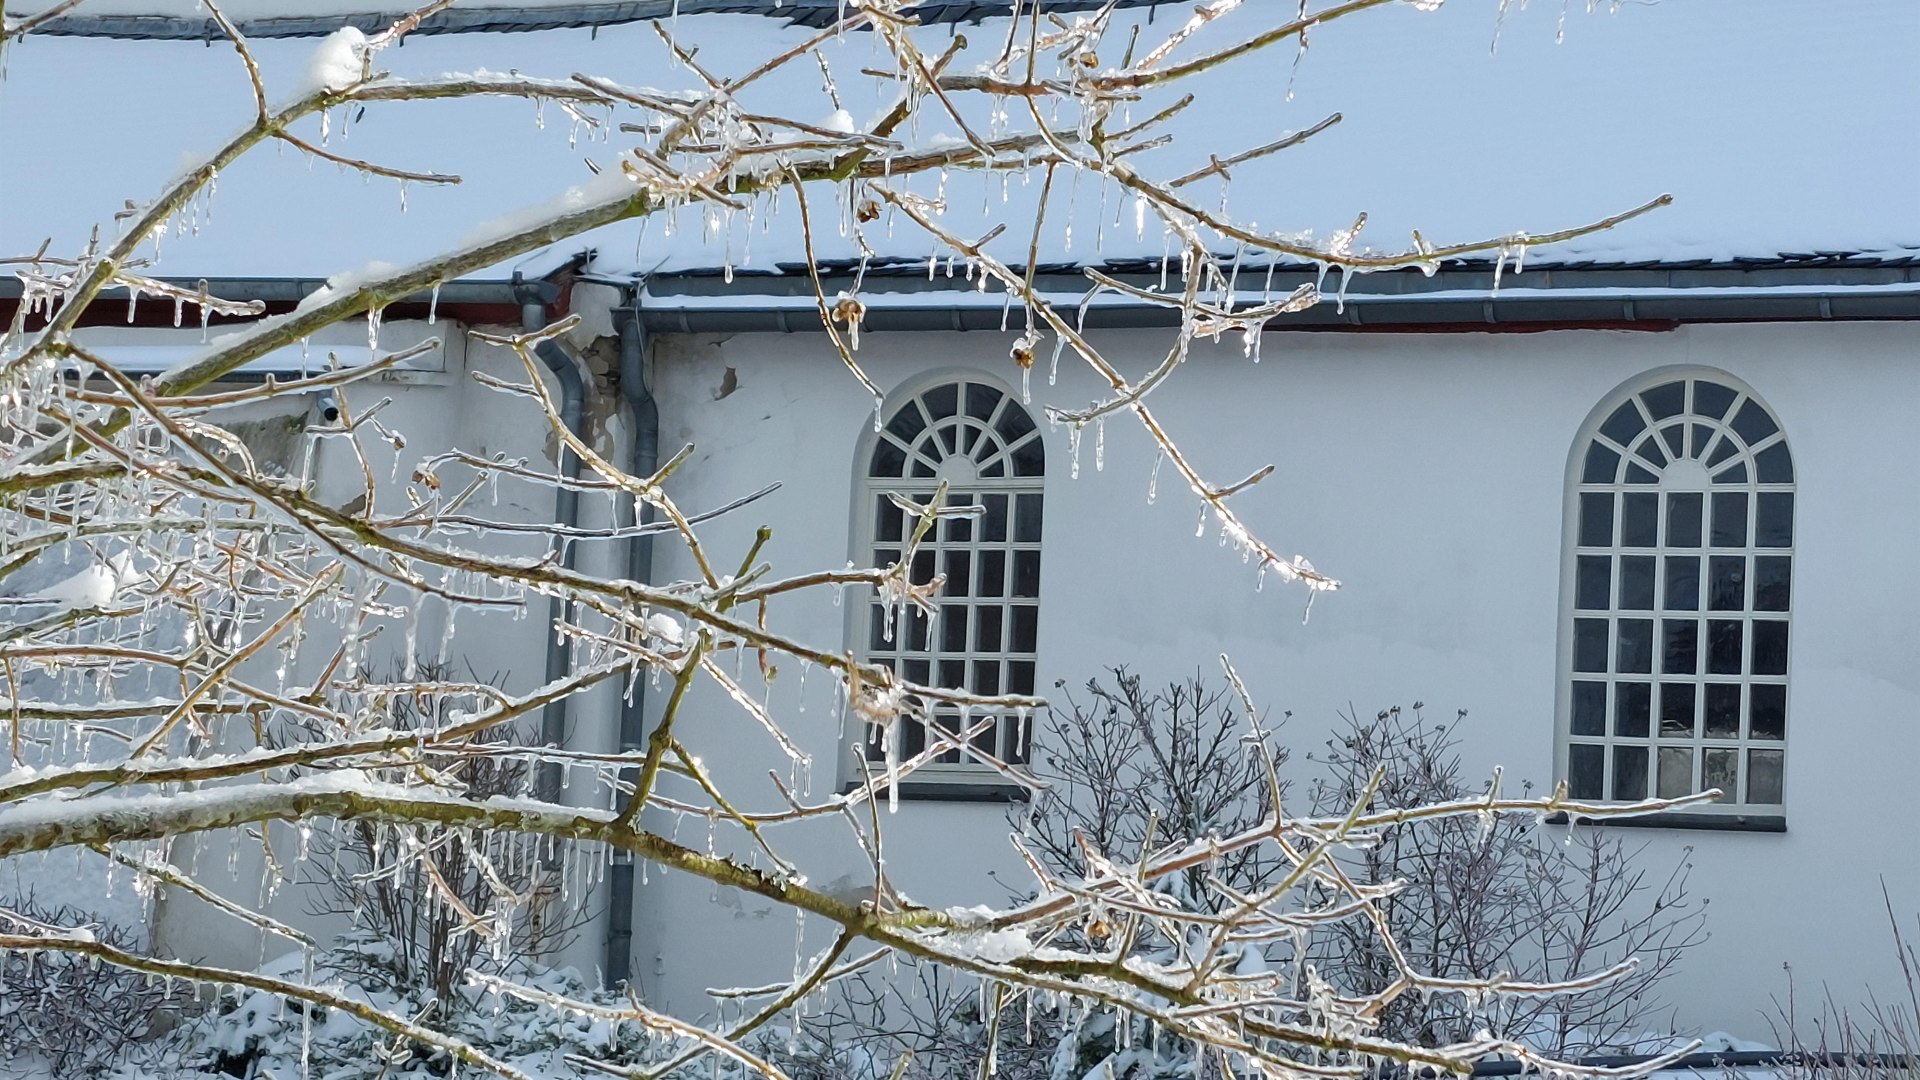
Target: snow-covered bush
257	1034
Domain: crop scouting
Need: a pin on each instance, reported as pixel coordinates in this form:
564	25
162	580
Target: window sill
1758	823
978	791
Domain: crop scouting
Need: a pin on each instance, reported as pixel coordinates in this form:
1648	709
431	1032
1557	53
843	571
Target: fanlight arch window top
962	432
982	443
1681	569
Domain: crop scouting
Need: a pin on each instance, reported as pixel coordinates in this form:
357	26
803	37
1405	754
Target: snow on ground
1775	132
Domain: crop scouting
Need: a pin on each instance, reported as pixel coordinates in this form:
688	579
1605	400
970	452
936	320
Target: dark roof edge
1459	297
509	19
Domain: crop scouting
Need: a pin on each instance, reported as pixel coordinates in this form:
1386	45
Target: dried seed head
867	210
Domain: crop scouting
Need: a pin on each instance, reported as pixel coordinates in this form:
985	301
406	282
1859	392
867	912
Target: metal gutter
1457	297
534	297
644	460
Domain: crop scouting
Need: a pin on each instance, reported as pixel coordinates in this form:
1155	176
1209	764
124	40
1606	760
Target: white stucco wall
1426	470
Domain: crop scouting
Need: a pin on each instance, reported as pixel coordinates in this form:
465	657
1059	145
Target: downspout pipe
534	298
643	460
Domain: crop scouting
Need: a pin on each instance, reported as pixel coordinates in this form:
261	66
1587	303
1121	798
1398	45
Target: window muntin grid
1682	573
984	638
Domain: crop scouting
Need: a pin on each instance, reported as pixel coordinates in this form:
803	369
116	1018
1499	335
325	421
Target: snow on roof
1775	132
187	19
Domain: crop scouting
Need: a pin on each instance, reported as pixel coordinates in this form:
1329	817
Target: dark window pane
1596	519
1729	519
986	677
1667	399
879	630
953	627
1020	677
1723	646
969	437
918	671
1676	710
1769	647
992	577
957	529
885	557
1030	458
1766	711
1632	709
994	469
1727	582
1683	519
1639	474
1026	632
1752	422
1773	520
1701	434
1026	519
1711	399
1723	711
916	634
1590	645
921	573
986	628
907	422
1635	654
1586	767
1772	582
1629	773
1720	768
981	399
888	459
1026	573
1014	422
1723	448
921	470
1765	779
1676	772
1675	436
1683	583
1774	465
1636	582
950	438
1679	646
942	401
1589	708
887	520
1732	474
993	523
1639	519
912	736
1603	465
953	674
959	575
1650	452
1593	578
1624	424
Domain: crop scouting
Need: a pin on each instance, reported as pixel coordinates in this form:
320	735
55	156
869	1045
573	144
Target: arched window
1680	571
979	440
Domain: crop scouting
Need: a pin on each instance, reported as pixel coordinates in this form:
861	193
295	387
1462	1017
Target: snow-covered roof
1776	132
187	20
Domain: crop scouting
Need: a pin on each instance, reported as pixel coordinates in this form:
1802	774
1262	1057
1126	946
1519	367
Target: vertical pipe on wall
534	296
644	460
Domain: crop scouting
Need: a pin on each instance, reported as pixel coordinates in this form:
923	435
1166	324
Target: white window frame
1581	607
1019	552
